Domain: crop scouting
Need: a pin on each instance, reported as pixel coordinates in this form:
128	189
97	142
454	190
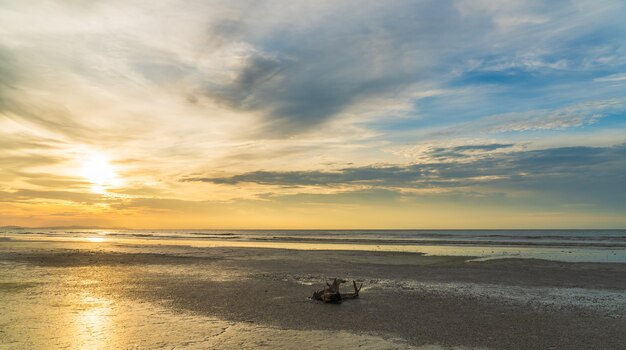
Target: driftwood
331	293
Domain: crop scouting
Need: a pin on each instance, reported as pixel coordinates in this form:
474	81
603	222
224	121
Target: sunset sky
319	114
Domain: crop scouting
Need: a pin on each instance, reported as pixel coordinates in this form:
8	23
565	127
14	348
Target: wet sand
105	295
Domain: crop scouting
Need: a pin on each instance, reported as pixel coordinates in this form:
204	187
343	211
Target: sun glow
97	170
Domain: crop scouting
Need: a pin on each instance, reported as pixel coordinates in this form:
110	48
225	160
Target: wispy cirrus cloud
560	118
612	78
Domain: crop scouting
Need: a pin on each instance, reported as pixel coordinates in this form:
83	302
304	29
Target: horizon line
79	227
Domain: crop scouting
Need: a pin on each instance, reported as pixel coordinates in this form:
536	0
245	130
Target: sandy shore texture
104	295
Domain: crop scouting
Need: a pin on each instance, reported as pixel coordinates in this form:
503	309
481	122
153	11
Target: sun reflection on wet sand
93	321
84	308
58	309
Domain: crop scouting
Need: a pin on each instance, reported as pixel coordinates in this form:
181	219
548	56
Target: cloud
560	118
362	175
17	103
571	116
305	75
612	78
467	152
568	170
528	63
9	79
452	150
24	161
37	195
292	68
273	86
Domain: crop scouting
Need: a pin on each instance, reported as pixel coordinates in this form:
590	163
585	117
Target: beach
106	294
427	175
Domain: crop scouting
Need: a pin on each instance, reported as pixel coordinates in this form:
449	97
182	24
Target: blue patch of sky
612	120
508	92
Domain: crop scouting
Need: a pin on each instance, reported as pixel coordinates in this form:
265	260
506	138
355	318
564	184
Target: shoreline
479	252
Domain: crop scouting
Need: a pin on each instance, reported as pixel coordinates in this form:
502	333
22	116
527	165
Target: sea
580	245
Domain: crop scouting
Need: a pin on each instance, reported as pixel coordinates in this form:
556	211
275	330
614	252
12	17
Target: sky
319	114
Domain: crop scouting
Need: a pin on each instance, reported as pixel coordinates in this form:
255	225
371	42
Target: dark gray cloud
577	173
300	78
489	147
364	175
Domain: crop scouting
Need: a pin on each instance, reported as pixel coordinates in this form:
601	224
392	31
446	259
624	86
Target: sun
97	169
